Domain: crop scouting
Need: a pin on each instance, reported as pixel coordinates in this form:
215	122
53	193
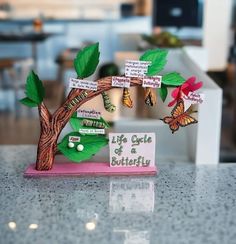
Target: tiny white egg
80	148
71	144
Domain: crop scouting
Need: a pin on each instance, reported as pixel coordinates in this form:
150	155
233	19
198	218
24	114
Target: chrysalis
126	100
107	103
93	123
76	100
150	96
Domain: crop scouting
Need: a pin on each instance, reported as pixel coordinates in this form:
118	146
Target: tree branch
44	115
62	114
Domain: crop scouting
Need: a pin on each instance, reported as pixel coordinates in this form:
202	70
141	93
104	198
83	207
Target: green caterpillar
107	103
77	99
93	123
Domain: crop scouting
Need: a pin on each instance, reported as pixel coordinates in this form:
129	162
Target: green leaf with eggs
92	144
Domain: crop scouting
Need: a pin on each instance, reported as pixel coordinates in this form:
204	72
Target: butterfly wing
172	123
167	120
178	109
174	127
186	119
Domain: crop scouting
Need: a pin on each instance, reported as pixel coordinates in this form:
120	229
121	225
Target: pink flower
188	86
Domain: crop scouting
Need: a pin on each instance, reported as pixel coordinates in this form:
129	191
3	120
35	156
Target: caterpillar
93	123
126	100
77	99
107	103
150	96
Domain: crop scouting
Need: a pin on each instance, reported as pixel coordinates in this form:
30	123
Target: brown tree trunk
51	127
47	148
47	141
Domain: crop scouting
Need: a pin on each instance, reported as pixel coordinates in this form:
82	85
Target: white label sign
89	114
153	81
83	84
132	149
74	139
195	98
92	131
134	68
119	81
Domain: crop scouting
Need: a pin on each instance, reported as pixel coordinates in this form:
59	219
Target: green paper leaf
87	61
74	115
28	102
158	59
172	79
76	123
163	92
34	88
92	144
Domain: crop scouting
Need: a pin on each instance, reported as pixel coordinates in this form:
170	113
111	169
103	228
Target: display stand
130	153
89	169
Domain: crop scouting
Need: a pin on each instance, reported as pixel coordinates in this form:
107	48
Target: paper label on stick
89	114
119	81
152	81
136	68
132	149
74	139
194	98
83	84
92	131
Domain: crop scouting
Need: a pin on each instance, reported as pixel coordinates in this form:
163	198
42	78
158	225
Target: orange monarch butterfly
150	96
93	123
77	99
179	117
126	100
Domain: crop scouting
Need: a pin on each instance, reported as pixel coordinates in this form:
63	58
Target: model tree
85	65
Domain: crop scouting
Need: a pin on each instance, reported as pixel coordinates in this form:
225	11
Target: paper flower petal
191	80
175	92
196	86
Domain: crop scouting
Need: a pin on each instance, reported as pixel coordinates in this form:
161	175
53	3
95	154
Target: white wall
217	35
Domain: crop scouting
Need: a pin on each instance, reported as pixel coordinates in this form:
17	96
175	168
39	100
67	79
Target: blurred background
46	35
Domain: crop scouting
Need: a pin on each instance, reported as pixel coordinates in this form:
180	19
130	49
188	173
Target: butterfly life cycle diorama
130	153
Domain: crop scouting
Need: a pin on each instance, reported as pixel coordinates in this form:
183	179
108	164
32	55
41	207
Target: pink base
89	169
